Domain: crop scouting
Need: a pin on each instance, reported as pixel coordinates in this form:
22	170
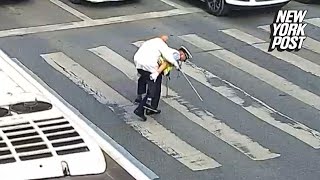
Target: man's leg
156	98
142	85
139	111
152	90
157	94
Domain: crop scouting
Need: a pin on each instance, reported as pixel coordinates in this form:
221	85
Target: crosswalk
309	43
175	146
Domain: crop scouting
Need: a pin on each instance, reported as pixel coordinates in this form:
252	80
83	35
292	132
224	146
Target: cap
186	52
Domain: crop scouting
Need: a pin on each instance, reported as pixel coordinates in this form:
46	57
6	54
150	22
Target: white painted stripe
258	108
203	118
153	131
312	45
71	10
309	43
107	144
275	81
206	45
96	22
138	43
289	57
265	27
173	4
313	21
266	76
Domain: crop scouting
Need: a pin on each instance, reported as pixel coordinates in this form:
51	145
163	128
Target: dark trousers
142	81
157	92
154	89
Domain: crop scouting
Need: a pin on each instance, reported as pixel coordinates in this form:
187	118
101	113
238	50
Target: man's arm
162	67
167	53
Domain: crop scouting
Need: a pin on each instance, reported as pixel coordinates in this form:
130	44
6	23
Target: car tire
217	7
76	1
280	6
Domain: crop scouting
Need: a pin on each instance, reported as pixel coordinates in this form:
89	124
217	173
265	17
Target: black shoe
149	107
137	100
149	112
140	114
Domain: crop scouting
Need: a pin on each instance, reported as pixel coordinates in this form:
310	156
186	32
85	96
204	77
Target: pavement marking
202	118
205	45
96	22
296	129
309	43
173	4
71	10
262	74
14	10
262	45
313	21
153	131
258	108
32	83
138	43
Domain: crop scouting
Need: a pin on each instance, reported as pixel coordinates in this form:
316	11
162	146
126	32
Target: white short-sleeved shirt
147	56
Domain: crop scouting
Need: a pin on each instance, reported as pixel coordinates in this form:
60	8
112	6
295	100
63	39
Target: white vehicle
307	1
40	136
223	7
93	1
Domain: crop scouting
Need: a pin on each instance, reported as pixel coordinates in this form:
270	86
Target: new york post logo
287	30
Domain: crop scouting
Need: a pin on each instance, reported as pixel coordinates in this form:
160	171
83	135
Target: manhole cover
3	112
30	107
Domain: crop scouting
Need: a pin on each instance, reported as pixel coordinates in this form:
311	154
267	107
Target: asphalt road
260	114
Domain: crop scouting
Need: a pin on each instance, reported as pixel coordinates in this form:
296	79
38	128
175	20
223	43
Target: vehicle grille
33	140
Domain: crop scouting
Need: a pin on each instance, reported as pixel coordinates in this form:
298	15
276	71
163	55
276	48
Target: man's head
184	54
164	38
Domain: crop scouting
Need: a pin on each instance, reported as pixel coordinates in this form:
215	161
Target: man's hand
154	76
176	64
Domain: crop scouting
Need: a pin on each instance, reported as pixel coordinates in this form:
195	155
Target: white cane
194	89
167	88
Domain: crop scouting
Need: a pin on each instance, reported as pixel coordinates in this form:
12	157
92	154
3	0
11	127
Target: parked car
307	1
223	7
76	1
94	1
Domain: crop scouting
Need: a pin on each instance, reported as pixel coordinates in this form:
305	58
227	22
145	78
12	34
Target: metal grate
63	137
25	141
29	145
